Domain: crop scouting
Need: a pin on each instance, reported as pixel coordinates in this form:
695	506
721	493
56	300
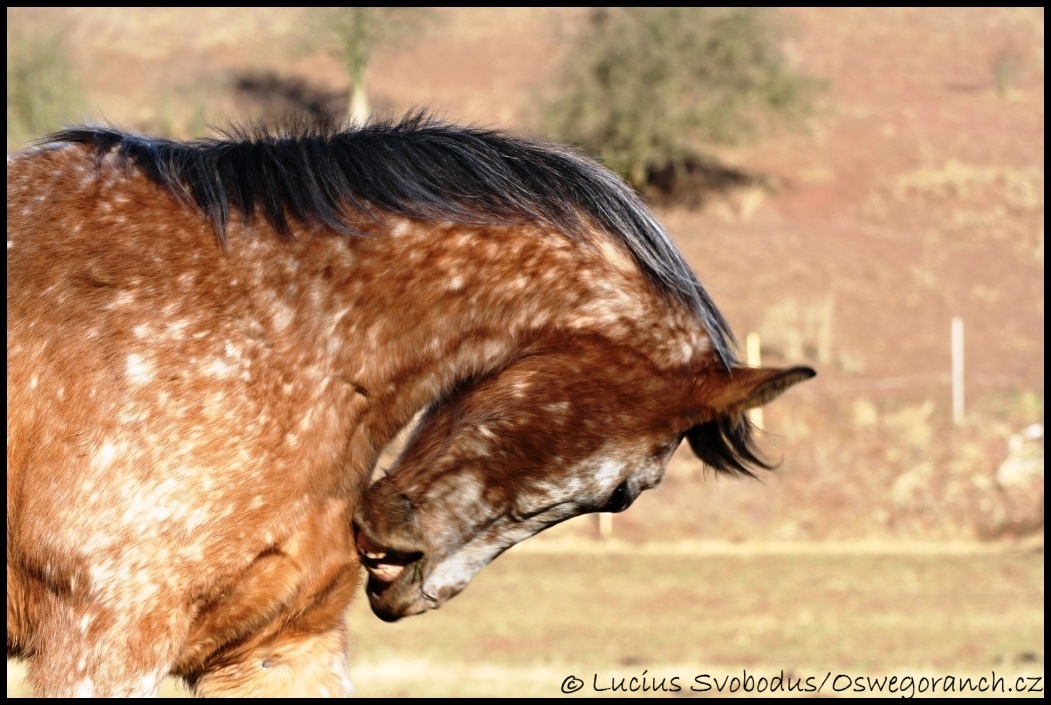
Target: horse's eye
620	500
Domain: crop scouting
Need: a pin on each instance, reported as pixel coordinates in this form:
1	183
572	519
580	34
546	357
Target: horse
210	342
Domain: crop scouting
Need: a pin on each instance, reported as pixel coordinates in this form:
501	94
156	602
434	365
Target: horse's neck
457	303
406	315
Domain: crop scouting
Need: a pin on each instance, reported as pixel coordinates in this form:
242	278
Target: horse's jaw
417	587
402	584
397	589
414	578
394	576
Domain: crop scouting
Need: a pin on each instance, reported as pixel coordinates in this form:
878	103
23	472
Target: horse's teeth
385	572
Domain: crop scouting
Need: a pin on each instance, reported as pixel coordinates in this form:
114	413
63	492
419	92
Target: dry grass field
664	614
550	610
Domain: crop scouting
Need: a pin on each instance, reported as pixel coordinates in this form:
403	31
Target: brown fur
192	428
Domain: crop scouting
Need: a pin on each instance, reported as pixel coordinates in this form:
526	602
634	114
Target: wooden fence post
957	371
605	525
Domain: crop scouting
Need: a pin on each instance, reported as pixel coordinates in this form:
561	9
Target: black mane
418	168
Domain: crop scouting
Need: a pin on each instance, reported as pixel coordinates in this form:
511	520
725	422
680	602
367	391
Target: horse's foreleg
292	664
92	652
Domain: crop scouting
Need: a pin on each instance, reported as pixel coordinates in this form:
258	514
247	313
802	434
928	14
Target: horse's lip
384	564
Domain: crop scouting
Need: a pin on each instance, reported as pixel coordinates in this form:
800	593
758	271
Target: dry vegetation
684	611
916	196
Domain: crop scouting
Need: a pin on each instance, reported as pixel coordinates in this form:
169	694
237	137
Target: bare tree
359	32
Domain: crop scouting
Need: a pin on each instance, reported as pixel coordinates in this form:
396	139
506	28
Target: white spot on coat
105	455
84	688
138	370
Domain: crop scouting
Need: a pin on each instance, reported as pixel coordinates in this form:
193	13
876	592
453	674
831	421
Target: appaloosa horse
210	342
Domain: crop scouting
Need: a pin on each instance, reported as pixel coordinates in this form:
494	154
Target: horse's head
585	428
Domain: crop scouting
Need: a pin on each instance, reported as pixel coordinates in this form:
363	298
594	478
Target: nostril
620	500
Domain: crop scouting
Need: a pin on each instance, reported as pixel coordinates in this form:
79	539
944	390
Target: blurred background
846	182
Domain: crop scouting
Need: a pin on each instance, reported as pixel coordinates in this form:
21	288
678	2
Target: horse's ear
742	388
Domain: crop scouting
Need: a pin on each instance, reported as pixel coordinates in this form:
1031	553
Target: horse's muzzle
390	554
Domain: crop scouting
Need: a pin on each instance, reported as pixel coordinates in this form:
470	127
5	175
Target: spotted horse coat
210	343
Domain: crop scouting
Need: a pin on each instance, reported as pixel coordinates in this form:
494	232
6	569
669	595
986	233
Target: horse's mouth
383	564
395	580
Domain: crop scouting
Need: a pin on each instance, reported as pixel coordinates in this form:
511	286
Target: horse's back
38	203
62	270
86	276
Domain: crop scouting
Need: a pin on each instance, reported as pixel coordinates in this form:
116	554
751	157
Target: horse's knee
86	653
292	665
